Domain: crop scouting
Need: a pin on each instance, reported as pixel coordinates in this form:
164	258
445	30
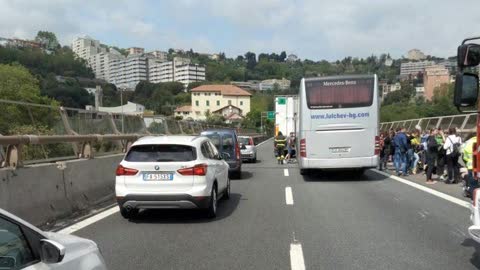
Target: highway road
277	219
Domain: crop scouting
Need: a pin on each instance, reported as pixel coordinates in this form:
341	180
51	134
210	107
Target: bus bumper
340	163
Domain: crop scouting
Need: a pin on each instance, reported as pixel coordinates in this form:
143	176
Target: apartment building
158	55
433	77
128	72
136	50
218	99
84	47
413	68
189	73
178	70
100	63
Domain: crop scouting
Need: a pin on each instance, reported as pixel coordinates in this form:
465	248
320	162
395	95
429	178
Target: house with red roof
228	100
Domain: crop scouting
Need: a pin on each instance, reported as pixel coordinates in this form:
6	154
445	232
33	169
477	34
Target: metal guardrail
36	132
464	123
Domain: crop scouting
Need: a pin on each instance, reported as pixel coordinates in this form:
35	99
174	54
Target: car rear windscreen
244	140
161	153
339	93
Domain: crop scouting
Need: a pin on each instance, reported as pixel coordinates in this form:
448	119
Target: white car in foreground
23	246
185	172
474	230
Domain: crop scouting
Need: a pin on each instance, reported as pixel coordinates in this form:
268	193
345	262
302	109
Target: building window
241	103
229	102
218	102
196	103
208	102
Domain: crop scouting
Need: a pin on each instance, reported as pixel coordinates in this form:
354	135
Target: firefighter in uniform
471	183
280	143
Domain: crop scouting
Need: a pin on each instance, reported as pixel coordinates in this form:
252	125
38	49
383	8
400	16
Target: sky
313	29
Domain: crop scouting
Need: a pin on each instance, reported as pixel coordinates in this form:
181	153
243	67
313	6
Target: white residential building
136	50
189	73
129	108
413	68
100	63
178	70
84	47
282	84
128	72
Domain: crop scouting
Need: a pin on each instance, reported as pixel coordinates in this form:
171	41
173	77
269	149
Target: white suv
171	172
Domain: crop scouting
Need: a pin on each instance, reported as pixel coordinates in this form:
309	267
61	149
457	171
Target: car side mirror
466	90
468	55
51	251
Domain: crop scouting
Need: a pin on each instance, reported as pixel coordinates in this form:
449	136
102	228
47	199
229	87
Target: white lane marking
288	196
426	189
296	257
285	172
264	141
89	221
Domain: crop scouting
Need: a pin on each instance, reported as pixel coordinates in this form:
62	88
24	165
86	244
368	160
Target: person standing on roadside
386	143
432	155
441	155
452	149
415	143
471	182
401	147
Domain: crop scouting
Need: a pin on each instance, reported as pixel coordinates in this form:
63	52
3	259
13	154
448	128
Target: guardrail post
115	129
14	156
167	131
87	150
69	129
464	122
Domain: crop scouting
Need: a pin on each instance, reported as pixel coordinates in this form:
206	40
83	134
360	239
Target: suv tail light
303	148
199	169
125	171
377	146
237	151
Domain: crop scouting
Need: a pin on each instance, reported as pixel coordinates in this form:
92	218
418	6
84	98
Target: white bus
338	123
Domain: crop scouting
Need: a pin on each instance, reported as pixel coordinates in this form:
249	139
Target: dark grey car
226	141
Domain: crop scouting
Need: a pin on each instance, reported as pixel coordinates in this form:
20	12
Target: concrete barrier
44	193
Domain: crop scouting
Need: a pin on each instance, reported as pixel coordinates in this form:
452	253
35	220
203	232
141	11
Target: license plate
336	150
158	176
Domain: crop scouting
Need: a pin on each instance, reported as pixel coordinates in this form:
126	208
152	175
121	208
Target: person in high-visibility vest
280	143
471	183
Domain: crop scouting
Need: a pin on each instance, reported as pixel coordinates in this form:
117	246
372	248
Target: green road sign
271	115
281	101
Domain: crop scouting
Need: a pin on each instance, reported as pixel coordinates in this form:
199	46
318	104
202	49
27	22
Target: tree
251	60
48	40
16	83
283	56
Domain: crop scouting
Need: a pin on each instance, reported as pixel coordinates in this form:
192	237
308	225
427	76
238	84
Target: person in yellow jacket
279	144
471	183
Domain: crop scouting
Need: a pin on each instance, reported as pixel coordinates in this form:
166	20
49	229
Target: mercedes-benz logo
157	167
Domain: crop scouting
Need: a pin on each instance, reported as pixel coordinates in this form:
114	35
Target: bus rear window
343	93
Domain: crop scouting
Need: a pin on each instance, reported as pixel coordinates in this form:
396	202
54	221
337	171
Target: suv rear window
340	93
161	153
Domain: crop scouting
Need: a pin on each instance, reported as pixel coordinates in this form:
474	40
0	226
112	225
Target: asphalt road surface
278	219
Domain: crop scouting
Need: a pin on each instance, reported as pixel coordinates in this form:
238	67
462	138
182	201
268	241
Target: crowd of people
433	152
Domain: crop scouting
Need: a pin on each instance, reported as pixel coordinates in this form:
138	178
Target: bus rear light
377	146
303	148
